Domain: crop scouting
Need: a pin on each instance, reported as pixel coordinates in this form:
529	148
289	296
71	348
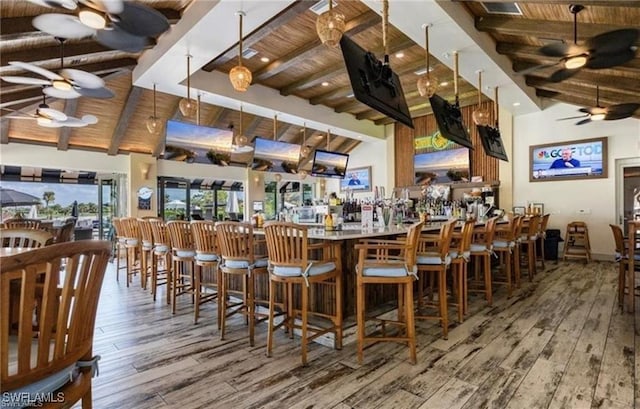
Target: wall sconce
144	170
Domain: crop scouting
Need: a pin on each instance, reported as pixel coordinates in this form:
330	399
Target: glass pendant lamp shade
154	124
188	107
330	26
427	83
240	76
481	115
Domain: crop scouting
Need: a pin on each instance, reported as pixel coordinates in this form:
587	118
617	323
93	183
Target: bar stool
377	264
289	264
528	240
460	254
120	241
161	251
434	261
577	242
622	258
145	250
504	244
133	246
633	265
238	258
207	275
183	257
542	237
483	249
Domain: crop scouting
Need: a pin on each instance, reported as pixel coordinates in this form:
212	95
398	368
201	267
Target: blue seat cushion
185	253
206	256
503	244
29	393
131	242
392	271
315	269
477	248
161	249
147	245
259	263
432	258
524	237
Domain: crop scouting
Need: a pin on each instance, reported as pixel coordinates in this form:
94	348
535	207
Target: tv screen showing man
566	161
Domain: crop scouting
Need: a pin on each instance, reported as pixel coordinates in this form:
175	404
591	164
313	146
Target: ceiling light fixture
480	115
62	85
598	117
240	76
325	84
427	84
330	26
264	59
187	105
154	125
91	18
576	62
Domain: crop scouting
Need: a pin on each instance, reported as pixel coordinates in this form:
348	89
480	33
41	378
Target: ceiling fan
117	24
52	118
610	113
605	50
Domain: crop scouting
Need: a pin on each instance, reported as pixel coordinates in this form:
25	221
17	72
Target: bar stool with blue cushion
388	262
482	249
133	245
460	253
183	257
146	249
207	275
239	258
119	245
505	244
161	252
433	259
290	265
56	361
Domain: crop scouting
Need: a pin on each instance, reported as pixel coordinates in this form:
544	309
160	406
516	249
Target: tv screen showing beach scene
442	166
275	156
329	164
581	159
192	143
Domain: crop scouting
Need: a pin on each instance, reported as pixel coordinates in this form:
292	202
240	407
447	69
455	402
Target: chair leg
410	321
338	319
508	271
222	300
305	307
360	317
621	284
516	263
154	275
290	316
542	254
174	285
442	295
272	307
487	278
459	291
250	302
197	275
170	274
222	294
465	285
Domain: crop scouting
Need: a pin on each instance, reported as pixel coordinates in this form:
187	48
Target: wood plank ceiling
290	58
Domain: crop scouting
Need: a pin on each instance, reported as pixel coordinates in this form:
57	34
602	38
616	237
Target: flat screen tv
449	119
329	164
580	159
192	143
275	156
442	166
374	83
492	142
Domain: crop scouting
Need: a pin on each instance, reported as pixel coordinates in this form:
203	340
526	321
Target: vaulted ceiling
290	59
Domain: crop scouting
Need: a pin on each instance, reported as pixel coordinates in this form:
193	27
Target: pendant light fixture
154	125
240	76
241	140
187	105
480	115
305	151
427	84
330	26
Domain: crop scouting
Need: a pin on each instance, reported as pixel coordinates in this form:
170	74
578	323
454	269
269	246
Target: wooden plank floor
559	342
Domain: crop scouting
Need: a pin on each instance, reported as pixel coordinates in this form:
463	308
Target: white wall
564	199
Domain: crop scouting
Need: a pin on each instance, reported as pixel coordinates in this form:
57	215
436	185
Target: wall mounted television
275	156
442	166
329	164
192	143
449	119
569	160
492	142
374	83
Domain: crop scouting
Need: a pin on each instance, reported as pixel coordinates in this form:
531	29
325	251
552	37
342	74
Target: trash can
551	244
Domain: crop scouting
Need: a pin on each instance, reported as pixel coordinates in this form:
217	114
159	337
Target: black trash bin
551	244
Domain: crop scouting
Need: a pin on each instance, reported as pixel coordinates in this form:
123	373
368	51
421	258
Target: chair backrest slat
160	233
22	224
180	235
235	241
287	244
204	236
20	237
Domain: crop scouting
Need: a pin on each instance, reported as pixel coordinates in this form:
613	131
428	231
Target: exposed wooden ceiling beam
125	116
258	35
606	3
217	114
48	53
466	101
70	108
250	131
540	28
591	80
608	97
573	99
357	25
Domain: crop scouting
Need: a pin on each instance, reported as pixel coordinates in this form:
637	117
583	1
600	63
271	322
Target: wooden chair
18	223
64	233
542	237
183	257
505	244
133	246
482	249
622	258
146	248
239	258
434	261
119	244
633	263
528	241
58	358
161	251
21	237
207	275
460	254
388	262
289	265
577	242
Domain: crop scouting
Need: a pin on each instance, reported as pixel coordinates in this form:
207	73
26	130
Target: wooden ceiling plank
46	53
125	116
354	26
607	97
606	3
250	130
592	79
573	99
70	108
16	25
4	130
218	114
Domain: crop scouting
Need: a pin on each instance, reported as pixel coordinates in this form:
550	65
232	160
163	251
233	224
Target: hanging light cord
385	27
154	100
455	76
188	77
426	42
304	130
479	89
495	105
240	42
330	5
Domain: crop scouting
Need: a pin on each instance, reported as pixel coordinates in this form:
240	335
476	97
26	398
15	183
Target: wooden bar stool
389	262
577	242
505	244
434	261
290	265
239	258
120	241
183	257
542	237
482	249
622	258
133	246
207	275
161	251
528	241
460	253
146	249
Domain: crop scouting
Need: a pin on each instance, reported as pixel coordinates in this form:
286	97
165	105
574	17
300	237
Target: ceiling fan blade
62	94
614	41
25	80
51	124
89	119
21	117
82	79
100	93
121	40
571	117
142	21
595	110
108	6
562	74
53	114
35	69
62	26
67	4
600	60
72	122
529	70
584	121
621	111
562	49
585	110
